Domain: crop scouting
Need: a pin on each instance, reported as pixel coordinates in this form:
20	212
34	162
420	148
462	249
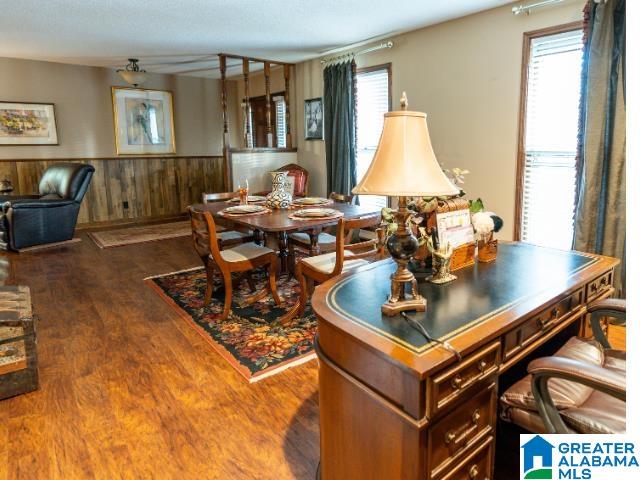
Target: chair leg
209	292
273	288
291	259
304	290
228	293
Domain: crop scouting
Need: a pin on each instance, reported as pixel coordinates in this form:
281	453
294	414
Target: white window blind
550	139
372	103
281	122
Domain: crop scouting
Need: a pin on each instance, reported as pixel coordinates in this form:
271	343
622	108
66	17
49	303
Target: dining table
277	222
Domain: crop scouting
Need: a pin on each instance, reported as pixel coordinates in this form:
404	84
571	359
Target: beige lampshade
404	163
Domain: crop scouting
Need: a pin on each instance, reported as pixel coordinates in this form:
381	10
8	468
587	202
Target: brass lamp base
402	246
399	301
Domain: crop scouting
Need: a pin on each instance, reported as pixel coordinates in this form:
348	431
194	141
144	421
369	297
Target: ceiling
184	36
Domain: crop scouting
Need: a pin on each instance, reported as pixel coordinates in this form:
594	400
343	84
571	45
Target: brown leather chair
580	389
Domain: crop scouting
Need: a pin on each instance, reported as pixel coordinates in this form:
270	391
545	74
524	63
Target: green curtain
601	210
340	126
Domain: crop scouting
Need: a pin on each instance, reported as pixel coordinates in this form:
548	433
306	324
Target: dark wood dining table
278	223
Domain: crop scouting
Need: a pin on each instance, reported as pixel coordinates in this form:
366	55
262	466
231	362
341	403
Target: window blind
550	139
372	91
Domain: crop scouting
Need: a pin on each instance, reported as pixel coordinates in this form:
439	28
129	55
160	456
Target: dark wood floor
128	390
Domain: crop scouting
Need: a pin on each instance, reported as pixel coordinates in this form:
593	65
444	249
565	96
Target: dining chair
300	178
326	240
341	198
240	258
227	237
347	256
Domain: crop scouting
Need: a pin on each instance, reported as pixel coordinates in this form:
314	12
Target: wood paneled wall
154	187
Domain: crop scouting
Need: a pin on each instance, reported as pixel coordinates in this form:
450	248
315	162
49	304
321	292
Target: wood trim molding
90	159
524	80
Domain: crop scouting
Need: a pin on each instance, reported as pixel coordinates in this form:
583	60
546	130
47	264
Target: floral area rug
251	339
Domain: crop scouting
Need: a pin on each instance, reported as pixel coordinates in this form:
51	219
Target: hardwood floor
128	390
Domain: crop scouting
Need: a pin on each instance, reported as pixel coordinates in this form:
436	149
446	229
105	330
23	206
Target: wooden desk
394	406
278	222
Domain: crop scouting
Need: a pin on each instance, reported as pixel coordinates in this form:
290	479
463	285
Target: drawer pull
555	312
464	433
473	472
544	324
482	366
456	382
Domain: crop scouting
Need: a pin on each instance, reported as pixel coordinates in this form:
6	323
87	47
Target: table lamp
404	165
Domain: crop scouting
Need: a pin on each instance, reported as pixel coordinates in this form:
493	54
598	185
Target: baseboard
127	222
47	246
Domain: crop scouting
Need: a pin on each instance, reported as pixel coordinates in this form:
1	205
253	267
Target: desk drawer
446	387
478	465
599	285
451	438
534	327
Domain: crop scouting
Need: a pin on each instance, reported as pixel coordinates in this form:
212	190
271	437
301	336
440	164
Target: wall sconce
132	73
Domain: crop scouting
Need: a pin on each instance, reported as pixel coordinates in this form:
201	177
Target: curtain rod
527	8
382	46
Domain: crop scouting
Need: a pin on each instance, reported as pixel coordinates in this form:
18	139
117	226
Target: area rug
252	339
146	233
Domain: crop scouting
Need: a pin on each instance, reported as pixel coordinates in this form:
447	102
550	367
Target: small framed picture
313	119
28	124
143	121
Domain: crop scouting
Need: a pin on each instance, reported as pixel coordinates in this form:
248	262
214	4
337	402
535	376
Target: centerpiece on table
431	216
279	196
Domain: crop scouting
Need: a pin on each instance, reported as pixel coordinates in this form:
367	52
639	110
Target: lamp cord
444	344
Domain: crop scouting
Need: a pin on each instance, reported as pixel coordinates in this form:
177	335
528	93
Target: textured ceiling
184	36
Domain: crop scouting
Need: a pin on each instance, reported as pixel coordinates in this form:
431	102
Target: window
257	136
547	170
373	100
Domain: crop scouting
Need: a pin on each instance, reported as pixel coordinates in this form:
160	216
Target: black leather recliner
49	217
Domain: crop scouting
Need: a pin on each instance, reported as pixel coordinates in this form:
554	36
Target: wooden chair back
203	233
370	249
218	197
300	178
341	198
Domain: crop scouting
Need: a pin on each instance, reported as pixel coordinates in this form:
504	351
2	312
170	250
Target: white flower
482	223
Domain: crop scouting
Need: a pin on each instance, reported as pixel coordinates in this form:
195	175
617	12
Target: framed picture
313	119
27	124
143	121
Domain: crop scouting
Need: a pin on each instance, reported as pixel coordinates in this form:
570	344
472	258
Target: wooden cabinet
394	406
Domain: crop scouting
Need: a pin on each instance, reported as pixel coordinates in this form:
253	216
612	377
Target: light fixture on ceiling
132	73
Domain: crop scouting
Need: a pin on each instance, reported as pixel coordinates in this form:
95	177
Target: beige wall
466	75
82	97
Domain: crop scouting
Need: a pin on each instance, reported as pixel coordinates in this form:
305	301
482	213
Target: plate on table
312	201
244	209
310	213
250	199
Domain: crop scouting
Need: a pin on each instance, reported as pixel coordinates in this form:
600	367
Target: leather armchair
581	389
50	216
